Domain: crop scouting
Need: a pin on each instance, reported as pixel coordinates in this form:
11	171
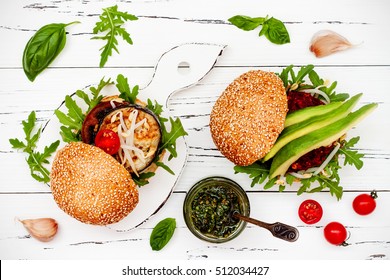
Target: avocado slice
309	112
302	128
318	138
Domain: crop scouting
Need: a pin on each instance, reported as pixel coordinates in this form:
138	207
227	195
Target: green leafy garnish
169	138
352	157
111	21
73	120
35	160
162	233
296	81
143	178
273	29
329	178
130	95
257	171
43	47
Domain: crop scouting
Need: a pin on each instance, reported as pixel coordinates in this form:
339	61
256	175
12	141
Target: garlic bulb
326	42
42	229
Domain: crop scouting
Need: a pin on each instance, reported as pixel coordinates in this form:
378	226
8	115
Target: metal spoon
279	230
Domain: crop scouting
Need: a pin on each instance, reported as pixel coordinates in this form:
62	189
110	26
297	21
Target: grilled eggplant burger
136	130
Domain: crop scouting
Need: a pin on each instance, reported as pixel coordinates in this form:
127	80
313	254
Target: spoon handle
279	230
283	231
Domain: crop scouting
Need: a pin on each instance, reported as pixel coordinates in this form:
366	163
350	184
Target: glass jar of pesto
208	209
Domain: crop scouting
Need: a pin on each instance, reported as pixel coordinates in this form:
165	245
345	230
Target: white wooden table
163	24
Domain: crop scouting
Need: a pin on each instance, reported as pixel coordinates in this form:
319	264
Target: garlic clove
42	229
326	42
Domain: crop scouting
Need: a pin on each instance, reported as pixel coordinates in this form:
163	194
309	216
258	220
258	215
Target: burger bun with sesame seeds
248	117
91	186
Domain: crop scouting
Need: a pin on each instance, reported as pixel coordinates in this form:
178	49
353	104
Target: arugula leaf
35	160
130	95
169	138
155	108
273	29
284	75
142	178
73	119
257	171
302	73
162	233
351	157
111	21
96	96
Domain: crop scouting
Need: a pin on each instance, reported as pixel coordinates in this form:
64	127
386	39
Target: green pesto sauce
211	210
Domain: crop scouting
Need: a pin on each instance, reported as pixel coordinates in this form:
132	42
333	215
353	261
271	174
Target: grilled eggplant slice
140	134
138	128
95	117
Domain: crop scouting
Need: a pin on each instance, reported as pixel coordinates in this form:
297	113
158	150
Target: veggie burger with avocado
280	129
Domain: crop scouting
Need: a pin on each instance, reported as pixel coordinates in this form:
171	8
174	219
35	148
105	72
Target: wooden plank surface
162	25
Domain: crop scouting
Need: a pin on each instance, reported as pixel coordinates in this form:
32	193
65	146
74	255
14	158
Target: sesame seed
248	117
92	186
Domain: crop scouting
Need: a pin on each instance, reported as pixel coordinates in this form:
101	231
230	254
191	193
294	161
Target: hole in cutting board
183	68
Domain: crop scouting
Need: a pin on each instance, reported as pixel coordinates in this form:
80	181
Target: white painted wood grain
167	23
163	24
369	236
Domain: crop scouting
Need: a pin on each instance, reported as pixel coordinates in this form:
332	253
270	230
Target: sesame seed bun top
91	186
248	117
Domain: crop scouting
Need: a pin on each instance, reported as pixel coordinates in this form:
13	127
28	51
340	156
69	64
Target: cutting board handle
181	67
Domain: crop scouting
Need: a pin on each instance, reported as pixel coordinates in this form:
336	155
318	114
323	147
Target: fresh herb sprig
73	119
35	160
111	21
296	81
328	179
273	29
43	47
162	233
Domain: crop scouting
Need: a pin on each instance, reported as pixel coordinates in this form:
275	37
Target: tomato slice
310	211
108	141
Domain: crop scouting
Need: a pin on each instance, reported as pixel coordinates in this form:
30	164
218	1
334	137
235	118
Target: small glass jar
225	185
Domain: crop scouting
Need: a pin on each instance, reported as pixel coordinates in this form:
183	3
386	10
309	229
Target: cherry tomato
364	204
310	211
335	233
108	141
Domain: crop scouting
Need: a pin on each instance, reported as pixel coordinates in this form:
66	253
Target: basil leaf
246	23
43	48
272	28
162	233
275	31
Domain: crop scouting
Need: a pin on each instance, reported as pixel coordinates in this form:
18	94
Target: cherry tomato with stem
335	233
108	141
365	204
310	211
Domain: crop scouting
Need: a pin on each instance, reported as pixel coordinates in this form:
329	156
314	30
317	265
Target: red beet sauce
300	100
